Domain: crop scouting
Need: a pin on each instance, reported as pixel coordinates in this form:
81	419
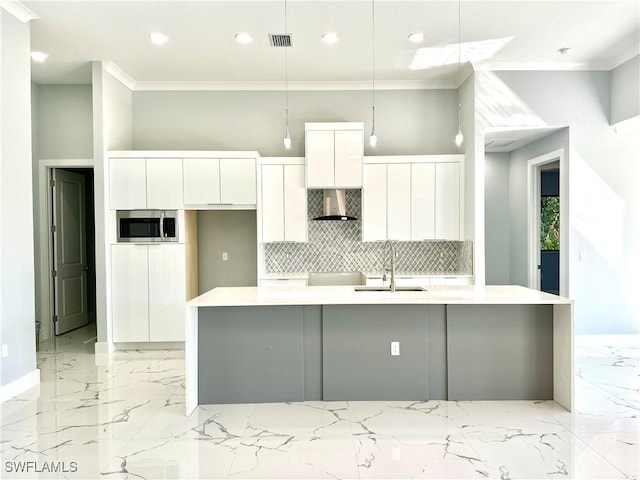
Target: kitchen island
293	343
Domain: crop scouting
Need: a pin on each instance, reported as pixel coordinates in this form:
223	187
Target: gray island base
294	344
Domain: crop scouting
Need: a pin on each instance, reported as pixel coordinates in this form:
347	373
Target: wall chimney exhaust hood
335	206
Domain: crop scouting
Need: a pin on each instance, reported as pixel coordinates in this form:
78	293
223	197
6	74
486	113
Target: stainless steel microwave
143	226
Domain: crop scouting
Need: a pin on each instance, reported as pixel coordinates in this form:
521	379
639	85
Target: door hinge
54	274
53	229
52	183
55	318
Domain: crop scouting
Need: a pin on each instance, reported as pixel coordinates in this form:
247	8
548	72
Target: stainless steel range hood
335	206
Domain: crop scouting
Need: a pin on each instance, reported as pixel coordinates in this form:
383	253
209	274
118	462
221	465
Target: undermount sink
388	289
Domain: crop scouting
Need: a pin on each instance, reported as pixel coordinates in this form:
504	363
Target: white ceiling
202	50
504	140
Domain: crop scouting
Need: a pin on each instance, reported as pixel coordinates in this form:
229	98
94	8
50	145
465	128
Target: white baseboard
150	346
104	348
19	385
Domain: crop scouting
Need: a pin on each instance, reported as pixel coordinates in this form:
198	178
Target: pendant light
459	136
373	139
287	137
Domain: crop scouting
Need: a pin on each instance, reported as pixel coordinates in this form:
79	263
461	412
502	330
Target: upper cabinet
334	153
283	202
412	198
139	183
175	180
219	181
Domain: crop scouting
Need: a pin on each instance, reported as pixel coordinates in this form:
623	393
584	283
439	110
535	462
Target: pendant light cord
373	53
286	72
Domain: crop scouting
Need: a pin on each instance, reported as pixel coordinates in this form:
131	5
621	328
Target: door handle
86	268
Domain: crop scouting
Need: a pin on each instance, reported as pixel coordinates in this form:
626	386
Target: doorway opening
547	224
72	285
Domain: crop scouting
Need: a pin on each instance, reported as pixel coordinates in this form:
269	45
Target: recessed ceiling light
330	37
416	37
158	38
243	38
564	50
39	56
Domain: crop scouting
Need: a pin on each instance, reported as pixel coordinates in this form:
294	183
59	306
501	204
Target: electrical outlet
5	350
395	349
225	256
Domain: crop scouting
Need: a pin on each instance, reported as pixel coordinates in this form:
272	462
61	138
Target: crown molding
18	10
120	75
293	86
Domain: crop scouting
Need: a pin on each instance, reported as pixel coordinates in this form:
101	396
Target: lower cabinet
148	292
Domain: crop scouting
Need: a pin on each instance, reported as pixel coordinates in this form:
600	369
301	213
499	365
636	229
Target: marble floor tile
122	416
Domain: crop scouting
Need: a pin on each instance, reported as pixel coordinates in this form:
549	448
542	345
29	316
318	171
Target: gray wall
17	294
407	121
112	130
604	199
625	91
497	219
234	232
65	120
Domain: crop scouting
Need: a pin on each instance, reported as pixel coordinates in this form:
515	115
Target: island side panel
563	356
437	342
312	327
250	354
191	359
357	361
500	352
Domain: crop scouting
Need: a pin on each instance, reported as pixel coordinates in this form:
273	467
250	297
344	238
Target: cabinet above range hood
334	206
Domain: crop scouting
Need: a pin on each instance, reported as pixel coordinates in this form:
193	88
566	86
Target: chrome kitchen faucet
389	246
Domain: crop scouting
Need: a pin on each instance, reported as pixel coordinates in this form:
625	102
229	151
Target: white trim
533	205
434	84
18	10
104	348
281	161
20	385
44	204
119	74
312	126
181	154
446	158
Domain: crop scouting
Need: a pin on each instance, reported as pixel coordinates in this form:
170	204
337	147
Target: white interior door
69	251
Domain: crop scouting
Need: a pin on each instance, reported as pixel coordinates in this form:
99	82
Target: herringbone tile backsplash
336	246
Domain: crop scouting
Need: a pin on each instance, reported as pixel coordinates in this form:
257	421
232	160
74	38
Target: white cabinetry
127	183
219	181
374	203
411	199
334	154
447	215
283	203
138	183
201	177
148	292
418	280
238	181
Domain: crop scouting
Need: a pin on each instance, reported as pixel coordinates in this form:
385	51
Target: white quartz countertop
345	295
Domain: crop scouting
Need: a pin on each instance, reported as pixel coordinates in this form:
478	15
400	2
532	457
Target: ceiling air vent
280	39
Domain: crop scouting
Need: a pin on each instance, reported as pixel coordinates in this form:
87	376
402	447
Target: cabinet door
164	183
320	154
201	181
295	204
167	293
423	201
399	201
349	151
127	183
130	293
374	203
272	203
238	181
448	201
